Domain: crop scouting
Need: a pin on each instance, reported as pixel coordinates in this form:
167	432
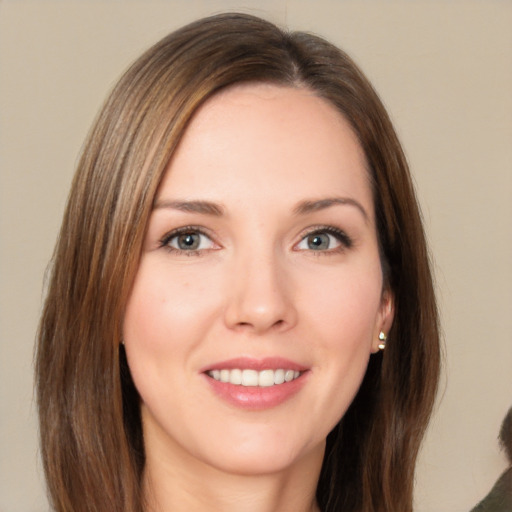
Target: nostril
248	325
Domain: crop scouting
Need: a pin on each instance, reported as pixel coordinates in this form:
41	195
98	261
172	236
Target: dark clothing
500	497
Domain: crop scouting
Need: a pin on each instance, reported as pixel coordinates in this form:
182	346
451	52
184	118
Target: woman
241	237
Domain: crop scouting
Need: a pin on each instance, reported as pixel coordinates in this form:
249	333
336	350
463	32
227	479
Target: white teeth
278	376
249	378
288	376
265	378
236	377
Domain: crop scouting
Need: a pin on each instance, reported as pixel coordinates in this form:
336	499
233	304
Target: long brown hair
91	434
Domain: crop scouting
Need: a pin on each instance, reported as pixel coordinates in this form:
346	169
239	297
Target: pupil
188	241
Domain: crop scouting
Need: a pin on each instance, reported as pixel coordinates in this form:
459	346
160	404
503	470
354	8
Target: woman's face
260	265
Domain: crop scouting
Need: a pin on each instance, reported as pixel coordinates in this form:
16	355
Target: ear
384	319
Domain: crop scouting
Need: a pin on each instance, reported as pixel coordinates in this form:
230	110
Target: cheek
342	316
164	309
162	329
345	305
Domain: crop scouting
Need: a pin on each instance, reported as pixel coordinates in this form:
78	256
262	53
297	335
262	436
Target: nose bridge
260	290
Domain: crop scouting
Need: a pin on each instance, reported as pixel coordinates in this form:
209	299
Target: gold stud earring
382	339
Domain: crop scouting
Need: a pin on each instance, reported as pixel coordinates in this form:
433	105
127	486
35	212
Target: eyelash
196	230
345	241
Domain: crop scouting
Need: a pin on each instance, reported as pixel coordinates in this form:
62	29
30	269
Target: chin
264	458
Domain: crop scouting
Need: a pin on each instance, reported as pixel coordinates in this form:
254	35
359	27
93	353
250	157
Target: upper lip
249	363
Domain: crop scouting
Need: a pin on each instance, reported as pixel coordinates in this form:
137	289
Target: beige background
444	69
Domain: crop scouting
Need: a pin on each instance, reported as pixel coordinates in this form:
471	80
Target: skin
257	285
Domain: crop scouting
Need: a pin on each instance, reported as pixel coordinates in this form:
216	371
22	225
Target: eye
326	239
187	240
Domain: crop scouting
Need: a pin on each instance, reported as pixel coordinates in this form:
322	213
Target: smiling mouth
254	378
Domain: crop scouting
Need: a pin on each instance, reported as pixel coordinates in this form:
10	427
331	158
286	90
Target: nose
260	298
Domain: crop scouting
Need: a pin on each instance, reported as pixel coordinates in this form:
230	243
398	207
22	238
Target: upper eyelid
323	229
186	229
344	239
343	236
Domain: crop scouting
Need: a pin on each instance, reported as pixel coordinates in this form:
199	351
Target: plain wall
443	69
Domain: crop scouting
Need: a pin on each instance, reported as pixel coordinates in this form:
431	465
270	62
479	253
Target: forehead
256	138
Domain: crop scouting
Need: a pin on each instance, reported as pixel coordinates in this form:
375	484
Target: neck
197	487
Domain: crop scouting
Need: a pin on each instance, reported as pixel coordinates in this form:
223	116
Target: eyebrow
204	207
305	207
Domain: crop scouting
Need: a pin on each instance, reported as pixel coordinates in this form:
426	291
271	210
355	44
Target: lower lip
256	398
